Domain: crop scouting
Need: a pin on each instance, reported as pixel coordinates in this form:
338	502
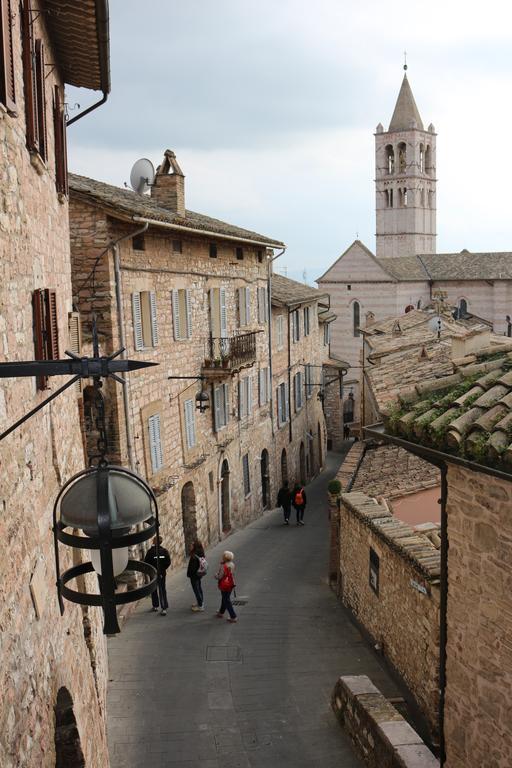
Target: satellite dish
436	324
142	175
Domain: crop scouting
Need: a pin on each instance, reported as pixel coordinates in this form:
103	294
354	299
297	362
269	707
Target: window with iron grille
247	477
7	77
145	324
46	332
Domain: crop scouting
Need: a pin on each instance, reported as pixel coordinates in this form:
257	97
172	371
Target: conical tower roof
406	110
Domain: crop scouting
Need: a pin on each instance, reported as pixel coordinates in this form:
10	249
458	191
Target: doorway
284	467
265	479
224	498
68	750
189	515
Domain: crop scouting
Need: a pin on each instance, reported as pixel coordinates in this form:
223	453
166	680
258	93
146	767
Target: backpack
203	566
299	498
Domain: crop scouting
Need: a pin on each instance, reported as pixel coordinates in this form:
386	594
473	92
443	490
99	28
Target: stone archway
68	750
224	497
302	465
189	515
284	466
265	479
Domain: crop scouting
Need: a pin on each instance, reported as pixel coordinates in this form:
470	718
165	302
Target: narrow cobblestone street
190	691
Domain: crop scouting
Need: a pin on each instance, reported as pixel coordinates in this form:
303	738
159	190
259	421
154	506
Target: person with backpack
197	568
160	559
299	502
226	583
284	500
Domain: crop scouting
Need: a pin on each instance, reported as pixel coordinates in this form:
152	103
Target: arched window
386	196
390	159
422	159
406	197
402	157
356	315
428	161
390	198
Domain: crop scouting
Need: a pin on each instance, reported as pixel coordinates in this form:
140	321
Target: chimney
168	188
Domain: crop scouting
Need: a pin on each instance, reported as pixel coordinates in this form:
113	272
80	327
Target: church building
406	271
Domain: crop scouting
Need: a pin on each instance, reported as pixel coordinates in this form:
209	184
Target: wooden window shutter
241	399
7	86
223	313
137	321
247	306
154	320
155	442
190	427
29	80
52	326
176	314
188	312
59	129
39	333
225	402
216	408
261	384
40	99
249	394
75	339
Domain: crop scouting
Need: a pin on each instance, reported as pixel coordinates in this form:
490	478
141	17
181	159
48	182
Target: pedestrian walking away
299	502
226	582
197	568
160	559
284	500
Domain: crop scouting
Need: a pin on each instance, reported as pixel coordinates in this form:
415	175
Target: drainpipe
122	339
270	261
290	431
443	609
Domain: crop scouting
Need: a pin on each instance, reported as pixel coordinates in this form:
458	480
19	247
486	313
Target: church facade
406	271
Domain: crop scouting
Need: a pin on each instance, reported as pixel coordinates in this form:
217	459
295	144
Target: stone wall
399	606
479	650
40	651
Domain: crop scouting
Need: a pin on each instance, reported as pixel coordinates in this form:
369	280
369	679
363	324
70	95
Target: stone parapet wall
379	733
479	649
388	577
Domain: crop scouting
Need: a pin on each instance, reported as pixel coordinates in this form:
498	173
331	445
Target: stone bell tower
405	181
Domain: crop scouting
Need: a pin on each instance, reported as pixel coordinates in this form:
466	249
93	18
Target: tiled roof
467	413
450	266
125	202
80	39
393	472
415	546
288	292
326	316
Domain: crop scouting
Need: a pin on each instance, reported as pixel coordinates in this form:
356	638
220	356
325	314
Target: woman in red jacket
226	583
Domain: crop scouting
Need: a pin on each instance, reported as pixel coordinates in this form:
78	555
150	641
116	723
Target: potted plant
217	362
334	489
225	361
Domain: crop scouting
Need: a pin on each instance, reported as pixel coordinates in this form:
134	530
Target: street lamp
114	509
202	401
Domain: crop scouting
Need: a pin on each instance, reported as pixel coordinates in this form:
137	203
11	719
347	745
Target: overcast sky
271	105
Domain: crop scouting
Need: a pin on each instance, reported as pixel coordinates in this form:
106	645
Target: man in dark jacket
299	502
159	596
284	500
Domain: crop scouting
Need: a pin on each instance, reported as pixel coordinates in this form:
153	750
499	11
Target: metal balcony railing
231	352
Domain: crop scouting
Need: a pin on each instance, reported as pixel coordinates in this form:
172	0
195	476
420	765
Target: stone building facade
52	668
190	293
406	271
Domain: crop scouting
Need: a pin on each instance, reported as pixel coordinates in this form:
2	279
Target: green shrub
334	487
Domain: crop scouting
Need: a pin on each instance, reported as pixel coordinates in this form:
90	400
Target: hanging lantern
114	509
202	401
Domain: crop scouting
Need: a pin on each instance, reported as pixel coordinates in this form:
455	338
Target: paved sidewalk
191	691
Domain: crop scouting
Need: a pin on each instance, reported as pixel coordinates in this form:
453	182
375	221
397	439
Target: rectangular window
41	99
247	478
220	406
218	315
297	391
308	381
306	321
374	571
245	397
280	331
239	253
46	332
7	79
262	306
282	404
190	423
295	321
61	153
213	250
244	306
145	325
264	385
327	334
177	246
139	243
181	314
155	443
210	481
259	255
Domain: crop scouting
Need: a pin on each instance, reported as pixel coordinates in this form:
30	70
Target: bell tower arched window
422	159
402	157
428	161
390	159
356	318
